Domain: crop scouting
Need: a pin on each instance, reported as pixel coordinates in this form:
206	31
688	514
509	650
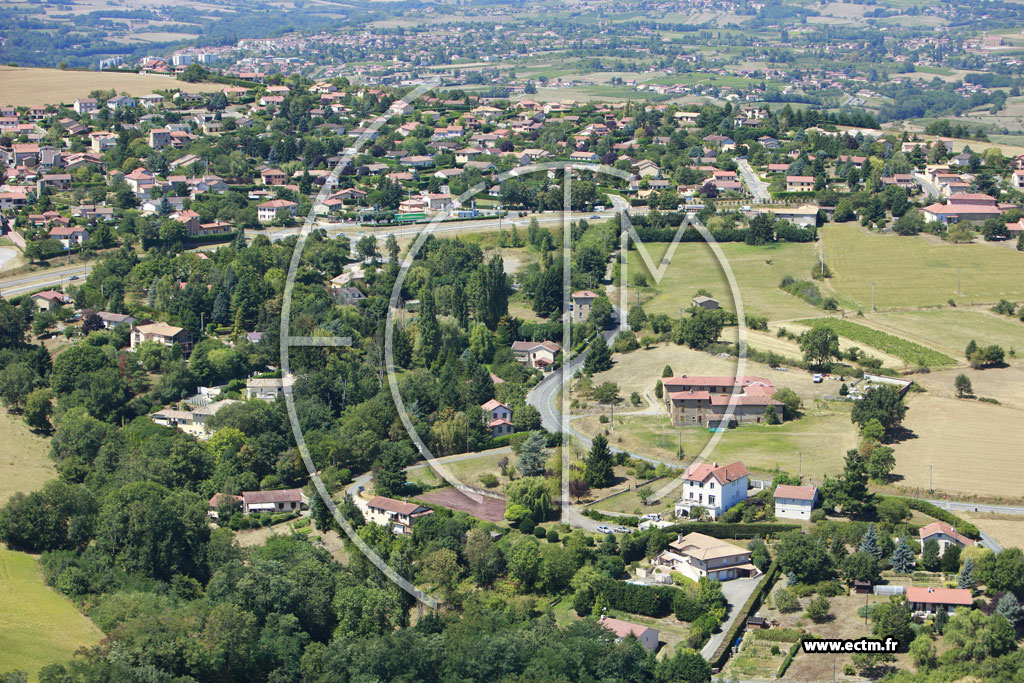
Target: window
712	484
711	500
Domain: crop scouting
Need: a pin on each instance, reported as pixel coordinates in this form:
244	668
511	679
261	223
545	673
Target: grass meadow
25	463
38	626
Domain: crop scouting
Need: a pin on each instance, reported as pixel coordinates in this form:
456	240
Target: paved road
47	278
737	592
926	185
382	232
755	185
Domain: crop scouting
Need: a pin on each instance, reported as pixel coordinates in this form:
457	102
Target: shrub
785	601
539	532
552	536
489	480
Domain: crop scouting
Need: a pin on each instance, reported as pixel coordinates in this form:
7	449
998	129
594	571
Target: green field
911	272
25	463
822	437
38	626
758	271
909	351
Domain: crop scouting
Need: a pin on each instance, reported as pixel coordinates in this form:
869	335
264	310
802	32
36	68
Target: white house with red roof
267	211
647	636
795	502
536	354
287	500
499	417
705	400
581	303
969	207
945	535
398	515
714	487
929	600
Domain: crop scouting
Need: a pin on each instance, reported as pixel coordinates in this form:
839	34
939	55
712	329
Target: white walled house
945	535
795	502
398	515
712	487
499	418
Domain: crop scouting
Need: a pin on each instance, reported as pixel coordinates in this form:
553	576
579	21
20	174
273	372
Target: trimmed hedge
737	530
932	510
650	601
790	655
721	655
618	520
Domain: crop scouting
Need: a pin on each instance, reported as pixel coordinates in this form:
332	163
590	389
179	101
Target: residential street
755	185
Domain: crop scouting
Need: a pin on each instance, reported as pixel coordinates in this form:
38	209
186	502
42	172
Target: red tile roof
943	528
282	496
795	492
940	596
392	505
724	473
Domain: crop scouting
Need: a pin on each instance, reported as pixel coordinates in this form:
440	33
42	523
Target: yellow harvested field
24	87
913	272
973	447
1006	385
1008	530
25	463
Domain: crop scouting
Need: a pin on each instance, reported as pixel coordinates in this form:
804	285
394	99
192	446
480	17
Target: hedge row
721	655
932	510
737	530
790	655
650	601
629	520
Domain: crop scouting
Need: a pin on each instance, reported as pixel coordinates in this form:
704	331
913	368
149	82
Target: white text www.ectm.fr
858	645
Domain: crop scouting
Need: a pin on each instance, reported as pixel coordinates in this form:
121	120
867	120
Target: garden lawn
38	625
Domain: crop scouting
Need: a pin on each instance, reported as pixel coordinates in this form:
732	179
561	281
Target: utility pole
958	280
873	295
800	465
930	469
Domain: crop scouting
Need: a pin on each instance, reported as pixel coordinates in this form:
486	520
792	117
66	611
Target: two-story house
536	354
399	516
697	556
795	502
499	418
161	333
581	304
712	487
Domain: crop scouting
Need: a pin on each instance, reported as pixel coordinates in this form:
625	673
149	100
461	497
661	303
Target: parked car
621	530
603	529
817	379
652	515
